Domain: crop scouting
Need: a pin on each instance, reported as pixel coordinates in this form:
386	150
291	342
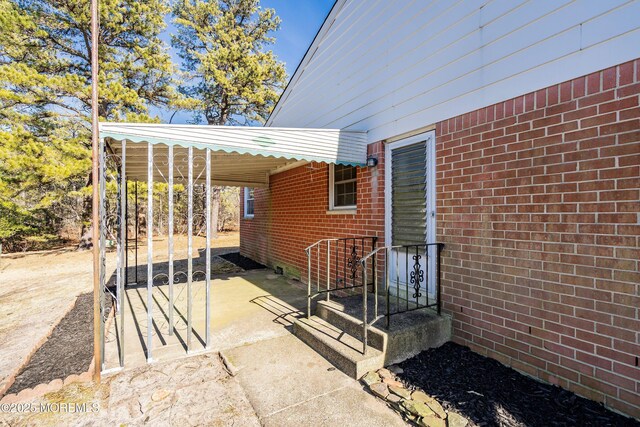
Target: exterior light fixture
372	162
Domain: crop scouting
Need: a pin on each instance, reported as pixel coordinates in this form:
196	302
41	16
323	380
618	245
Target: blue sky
301	20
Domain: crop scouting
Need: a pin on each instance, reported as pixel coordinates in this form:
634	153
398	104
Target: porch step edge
338	347
333	313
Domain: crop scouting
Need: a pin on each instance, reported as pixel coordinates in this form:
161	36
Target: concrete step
338	347
334	313
408	334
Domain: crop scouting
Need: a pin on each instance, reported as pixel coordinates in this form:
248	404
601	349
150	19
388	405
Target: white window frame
332	187
247	190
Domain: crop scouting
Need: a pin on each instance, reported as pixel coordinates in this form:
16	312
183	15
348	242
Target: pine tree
232	78
45	98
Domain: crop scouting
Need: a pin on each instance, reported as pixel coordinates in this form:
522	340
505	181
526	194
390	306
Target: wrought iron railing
334	265
411	275
419	288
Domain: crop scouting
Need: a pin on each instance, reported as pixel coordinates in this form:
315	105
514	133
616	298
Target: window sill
248	217
342	211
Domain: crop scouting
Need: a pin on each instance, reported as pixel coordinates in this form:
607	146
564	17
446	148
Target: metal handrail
308	248
387	249
352	262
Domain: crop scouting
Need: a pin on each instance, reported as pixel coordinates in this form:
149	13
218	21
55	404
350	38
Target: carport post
102	186
123	248
189	246
208	253
170	273
149	251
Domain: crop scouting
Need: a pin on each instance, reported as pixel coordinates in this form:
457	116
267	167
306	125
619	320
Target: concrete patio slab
245	307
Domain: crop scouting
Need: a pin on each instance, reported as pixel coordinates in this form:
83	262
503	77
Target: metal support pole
189	248
308	282
126	232
149	252
103	245
123	249
328	267
137	226
375	286
427	260
95	202
438	277
406	275
374	267
397	280
387	285
365	321
208	253
170	242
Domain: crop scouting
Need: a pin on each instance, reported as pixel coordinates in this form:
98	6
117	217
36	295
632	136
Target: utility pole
95	203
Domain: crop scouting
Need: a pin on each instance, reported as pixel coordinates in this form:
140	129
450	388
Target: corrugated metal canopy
241	155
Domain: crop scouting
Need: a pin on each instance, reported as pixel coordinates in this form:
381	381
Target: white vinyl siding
389	67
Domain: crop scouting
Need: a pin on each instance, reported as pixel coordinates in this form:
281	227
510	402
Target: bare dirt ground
37	289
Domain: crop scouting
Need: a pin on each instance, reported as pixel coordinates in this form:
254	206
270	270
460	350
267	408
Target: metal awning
240	155
195	157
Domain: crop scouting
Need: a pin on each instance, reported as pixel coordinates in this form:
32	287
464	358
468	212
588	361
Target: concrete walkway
279	381
289	384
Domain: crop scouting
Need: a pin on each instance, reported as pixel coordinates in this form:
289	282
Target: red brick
593	360
593	83
619	104
609	78
578	86
598	385
631	113
630	90
625	73
623	406
620	127
581	134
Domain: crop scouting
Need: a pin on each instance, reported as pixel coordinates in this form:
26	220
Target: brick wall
292	214
538	203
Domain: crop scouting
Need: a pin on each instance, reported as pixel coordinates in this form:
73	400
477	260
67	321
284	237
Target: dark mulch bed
491	394
67	351
242	261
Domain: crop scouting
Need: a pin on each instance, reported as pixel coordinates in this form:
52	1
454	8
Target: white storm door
410	216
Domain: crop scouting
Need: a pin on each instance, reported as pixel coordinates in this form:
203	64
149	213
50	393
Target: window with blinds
408	194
